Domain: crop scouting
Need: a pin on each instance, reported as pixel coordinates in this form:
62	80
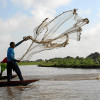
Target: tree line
91	61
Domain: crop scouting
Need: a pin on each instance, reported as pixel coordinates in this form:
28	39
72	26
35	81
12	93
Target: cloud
3	3
27	4
84	12
98	14
4	43
19	25
41	9
89	43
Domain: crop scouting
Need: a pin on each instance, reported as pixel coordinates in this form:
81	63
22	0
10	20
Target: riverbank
90	62
65	66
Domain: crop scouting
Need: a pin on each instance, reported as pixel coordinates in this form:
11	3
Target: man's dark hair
11	43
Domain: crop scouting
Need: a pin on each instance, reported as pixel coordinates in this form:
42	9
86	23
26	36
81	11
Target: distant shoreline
44	64
82	67
92	61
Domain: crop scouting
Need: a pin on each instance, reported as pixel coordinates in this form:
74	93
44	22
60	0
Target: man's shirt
11	53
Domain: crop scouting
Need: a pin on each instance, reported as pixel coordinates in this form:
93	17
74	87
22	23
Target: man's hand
27	38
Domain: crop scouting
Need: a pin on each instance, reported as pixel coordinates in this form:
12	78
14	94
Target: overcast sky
18	18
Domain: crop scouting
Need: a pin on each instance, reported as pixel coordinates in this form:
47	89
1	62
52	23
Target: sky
18	18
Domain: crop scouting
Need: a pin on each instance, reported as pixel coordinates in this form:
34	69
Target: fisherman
3	65
12	62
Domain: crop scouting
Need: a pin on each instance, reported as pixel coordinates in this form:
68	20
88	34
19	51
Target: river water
54	84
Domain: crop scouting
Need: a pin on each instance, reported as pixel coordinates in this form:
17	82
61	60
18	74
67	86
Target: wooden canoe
5	77
17	83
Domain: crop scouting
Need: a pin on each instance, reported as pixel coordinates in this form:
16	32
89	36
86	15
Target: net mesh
55	33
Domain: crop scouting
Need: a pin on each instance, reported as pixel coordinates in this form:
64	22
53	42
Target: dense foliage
91	61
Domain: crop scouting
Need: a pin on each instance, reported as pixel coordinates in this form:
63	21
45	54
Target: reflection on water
54	89
11	93
34	70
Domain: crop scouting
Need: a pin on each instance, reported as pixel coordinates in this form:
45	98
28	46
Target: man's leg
1	73
9	71
17	70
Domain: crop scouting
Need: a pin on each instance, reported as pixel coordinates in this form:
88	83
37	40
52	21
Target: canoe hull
17	83
5	77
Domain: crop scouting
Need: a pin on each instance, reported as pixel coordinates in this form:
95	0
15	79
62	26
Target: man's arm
19	43
24	39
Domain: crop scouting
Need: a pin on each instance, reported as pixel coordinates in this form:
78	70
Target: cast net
55	33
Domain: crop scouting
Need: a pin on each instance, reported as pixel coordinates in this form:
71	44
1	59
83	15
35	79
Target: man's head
12	45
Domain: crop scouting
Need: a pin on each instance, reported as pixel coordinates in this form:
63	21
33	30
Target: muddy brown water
55	84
